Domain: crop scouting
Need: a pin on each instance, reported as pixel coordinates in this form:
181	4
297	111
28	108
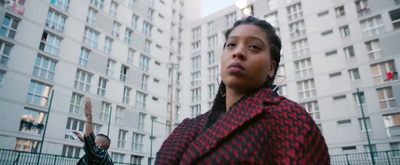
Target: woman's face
246	60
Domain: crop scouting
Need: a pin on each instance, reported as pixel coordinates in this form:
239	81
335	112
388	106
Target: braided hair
219	105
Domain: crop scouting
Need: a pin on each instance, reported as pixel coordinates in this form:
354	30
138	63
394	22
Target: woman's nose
239	52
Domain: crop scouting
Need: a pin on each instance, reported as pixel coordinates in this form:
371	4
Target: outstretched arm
88	114
80	137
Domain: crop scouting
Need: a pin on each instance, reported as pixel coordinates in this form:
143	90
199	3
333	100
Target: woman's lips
235	68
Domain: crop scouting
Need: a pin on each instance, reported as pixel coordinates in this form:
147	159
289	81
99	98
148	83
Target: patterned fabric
262	128
94	154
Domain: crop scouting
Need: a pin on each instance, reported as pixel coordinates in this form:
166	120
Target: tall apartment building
114	51
330	48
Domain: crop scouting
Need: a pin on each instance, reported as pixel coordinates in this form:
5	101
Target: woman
248	122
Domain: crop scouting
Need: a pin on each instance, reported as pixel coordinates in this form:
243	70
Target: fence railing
381	158
11	157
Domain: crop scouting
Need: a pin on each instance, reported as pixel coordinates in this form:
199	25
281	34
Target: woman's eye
255	47
231	45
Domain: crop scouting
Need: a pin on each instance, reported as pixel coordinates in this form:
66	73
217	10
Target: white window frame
297	29
124	73
105	111
211	91
113	9
9	30
36	120
71	151
38	93
294	11
212	73
110	68
142	117
340	12
147	29
196	110
98	3
55	20
76	103
117	157
372	26
108	46
137	142
373	49
357	101
362	126
196	63
115	29
74	125
145	79
128	36
389	121
379	74
272	19
91	16
102	87
135	20
213	41
354	74
144	63
50	43
196	78
349	52
62	4
90	37
132	4
306	86
211	58
344	31
303	68
82	80
196	94
210	27
131	55
44	67
300	48
122	138
20	145
313	109
126	96
5	51
84	57
230	19
140	100
389	102
119	115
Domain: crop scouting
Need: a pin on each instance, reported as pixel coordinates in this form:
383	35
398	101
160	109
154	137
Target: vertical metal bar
347	159
387	156
151	141
45	126
109	121
55	160
172	91
365	125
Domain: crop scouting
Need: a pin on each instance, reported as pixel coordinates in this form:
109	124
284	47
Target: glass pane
383	104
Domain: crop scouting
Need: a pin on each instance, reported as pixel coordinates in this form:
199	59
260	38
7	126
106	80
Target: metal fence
381	158
11	157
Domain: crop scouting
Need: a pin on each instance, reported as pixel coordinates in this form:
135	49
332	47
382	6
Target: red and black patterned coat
260	129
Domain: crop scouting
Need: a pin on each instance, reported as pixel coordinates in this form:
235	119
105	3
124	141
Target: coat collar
242	112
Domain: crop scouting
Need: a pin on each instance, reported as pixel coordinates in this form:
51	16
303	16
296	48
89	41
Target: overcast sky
211	6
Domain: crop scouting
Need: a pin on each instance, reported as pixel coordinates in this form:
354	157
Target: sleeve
91	150
314	150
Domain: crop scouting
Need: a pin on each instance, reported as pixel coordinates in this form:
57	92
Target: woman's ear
272	69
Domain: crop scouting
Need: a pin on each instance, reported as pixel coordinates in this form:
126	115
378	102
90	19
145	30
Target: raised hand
88	107
79	135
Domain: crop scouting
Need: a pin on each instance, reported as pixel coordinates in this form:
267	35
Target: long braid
218	108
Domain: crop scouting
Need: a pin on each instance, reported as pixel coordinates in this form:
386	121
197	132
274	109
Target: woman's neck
232	96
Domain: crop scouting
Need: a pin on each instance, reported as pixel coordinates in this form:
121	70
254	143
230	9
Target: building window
50	43
303	68
300	48
283	90
339	98
147	29
295	11
362	125
84	57
272	19
349	149
210	27
132	4
196	95
332	52
140	100
230	19
297	29
196	33
373	49
107	46
344	31
5	50
44	68
136	159
101	88
113	9
312	108
135	19
372	26
392	123
362	7
212	73
73	125
82	80
123	73
344	122
354	74
32	121
96	128
395	17
71	151
150	13
349	52
340	11
126	96
117	157
196	63
137	142
144	63
105	111
131	54
357	100
386	98
90	38
211	91
38	94
167	127
61	4
145	79
306	89
115	29
26	145
98	3
384	72
211	58
121	139
196	110
196	78
55	20
91	16
76	104
147	46
110	68
213	41
141	121
324	33
128	36
196	47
